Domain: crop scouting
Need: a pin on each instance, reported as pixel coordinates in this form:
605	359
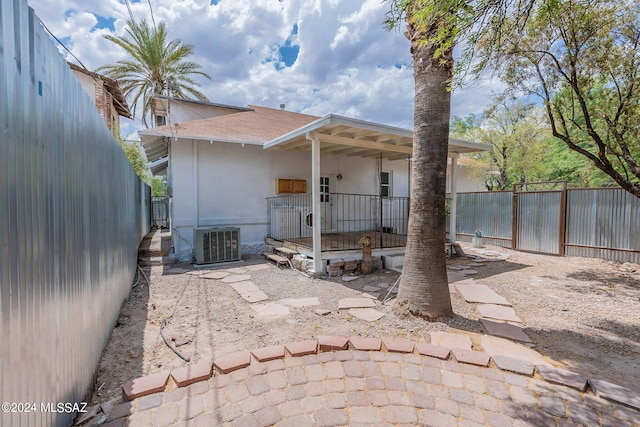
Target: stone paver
499	312
236	278
215	275
377	387
356	303
450	340
270	309
505	330
368	314
300	302
481	294
495	346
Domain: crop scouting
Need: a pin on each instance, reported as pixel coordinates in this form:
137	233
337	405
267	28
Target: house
105	94
317	183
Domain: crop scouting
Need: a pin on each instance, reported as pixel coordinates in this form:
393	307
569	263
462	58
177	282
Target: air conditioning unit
217	245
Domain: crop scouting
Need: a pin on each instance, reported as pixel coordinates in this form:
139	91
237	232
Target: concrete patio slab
481	294
449	340
368	314
356	303
300	302
505	330
500	312
501	347
236	278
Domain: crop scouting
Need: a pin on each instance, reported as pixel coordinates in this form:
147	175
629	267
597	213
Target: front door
326	204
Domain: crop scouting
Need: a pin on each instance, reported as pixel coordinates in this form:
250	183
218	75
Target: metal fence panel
539	222
489	212
72	213
603	223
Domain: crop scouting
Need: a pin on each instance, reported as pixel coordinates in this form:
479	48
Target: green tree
515	132
583	60
156	66
133	151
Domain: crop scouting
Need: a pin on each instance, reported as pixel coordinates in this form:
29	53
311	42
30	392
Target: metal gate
159	212
539	218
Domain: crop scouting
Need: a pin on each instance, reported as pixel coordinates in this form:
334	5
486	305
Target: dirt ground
582	314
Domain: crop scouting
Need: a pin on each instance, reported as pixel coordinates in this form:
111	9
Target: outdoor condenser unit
217	245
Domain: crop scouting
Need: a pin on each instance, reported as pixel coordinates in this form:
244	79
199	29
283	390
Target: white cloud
347	63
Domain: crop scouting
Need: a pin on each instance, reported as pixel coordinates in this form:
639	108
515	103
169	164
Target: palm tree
156	67
424	288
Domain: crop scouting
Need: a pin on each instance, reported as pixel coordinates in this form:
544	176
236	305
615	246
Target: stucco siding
233	182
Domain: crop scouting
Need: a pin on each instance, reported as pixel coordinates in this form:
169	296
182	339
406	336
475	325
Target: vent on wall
217	245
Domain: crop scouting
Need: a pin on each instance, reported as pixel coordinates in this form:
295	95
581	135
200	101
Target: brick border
155	383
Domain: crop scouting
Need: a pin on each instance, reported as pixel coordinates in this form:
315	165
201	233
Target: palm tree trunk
424	288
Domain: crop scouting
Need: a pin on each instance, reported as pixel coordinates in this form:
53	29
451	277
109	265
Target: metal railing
346	218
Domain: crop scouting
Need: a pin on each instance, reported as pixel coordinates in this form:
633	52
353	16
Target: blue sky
315	56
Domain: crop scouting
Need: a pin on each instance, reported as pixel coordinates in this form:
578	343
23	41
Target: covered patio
382	218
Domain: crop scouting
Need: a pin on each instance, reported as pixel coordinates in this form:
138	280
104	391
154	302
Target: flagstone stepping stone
270	309
356	303
468	272
216	275
495	346
249	291
176	270
616	393
457	267
350	278
518	366
372	295
322	311
237	270
563	377
450	340
466	281
370	288
505	330
481	294
236	278
500	312
382	285
198	272
368	314
257	267
300	302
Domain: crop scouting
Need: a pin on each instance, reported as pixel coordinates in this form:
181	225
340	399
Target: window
385	184
324	189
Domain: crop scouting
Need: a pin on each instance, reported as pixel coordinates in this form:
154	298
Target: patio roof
351	137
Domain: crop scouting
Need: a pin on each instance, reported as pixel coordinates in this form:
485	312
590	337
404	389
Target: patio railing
345	219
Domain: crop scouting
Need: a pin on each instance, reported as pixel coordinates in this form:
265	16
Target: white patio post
318	268
452	210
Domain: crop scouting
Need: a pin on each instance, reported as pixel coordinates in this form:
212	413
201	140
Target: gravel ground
582	314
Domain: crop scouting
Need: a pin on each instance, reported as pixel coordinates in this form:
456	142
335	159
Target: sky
315	56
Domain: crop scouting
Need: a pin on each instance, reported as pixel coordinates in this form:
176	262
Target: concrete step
289	253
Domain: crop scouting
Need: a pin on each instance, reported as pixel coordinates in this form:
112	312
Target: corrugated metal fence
72	213
599	223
